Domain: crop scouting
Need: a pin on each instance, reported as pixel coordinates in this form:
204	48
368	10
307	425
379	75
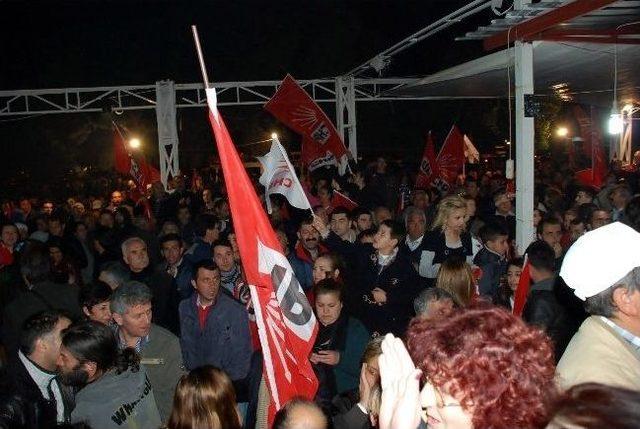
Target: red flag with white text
286	324
137	167
296	109
451	158
428	167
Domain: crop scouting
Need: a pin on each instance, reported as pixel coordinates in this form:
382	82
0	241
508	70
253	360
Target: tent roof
582	72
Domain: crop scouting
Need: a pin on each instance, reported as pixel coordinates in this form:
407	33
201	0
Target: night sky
90	43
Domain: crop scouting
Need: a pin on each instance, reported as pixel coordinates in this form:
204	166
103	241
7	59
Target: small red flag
428	168
286	324
296	109
137	167
451	157
522	291
340	199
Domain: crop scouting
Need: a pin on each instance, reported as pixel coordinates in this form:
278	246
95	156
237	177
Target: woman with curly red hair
481	368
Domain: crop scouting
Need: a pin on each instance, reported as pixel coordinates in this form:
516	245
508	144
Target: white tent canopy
582	71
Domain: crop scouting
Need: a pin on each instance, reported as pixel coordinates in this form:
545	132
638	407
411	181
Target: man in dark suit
30	394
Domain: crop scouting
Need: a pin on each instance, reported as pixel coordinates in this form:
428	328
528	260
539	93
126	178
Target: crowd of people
127	311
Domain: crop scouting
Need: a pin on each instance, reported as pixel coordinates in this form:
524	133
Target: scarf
229	279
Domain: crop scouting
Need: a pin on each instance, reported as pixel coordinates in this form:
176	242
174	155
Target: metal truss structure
343	91
137	97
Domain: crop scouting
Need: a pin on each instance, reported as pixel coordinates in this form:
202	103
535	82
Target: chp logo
296	311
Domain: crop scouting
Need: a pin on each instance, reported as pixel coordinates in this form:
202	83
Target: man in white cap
603	268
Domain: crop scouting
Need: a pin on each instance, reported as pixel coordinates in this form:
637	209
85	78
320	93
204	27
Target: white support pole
167	130
524	147
346	103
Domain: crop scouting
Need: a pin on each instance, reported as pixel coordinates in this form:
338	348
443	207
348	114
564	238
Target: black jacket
22	404
165	297
43	296
543	309
398	279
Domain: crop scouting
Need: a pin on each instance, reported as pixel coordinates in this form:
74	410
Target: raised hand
400	382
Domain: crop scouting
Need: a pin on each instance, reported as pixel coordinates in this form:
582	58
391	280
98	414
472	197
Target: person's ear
118	318
336	273
91	368
627	301
86	311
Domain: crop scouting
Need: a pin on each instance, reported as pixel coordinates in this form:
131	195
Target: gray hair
421	302
411	211
115	274
129	294
128	242
602	304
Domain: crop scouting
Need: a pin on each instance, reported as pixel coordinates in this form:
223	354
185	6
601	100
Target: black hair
206	264
541	256
205	222
170	237
632	213
36	327
222	242
35	263
547	220
367	233
397	230
94	293
329	285
492	231
90	341
339	210
358	211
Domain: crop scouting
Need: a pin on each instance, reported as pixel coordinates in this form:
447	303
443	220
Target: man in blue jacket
214	327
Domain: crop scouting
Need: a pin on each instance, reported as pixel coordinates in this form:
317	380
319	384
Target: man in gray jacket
115	391
159	349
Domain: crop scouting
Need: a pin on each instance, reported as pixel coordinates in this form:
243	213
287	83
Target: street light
134	143
274	136
562	131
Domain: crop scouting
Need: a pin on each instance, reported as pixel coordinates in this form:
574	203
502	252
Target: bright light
274	136
562	131
134	143
615	123
628	108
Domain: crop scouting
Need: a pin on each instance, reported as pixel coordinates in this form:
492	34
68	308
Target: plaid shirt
632	339
142	341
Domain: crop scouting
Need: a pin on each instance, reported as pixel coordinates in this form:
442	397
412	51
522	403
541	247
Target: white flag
279	177
470	151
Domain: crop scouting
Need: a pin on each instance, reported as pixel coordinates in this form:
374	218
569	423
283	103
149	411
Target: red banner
428	167
296	109
339	199
141	172
451	158
286	324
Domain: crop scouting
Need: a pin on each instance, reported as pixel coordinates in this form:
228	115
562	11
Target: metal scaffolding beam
138	97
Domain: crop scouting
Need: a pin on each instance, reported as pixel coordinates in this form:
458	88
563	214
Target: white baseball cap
598	259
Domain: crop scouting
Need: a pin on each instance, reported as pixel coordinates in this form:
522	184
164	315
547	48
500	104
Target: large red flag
296	109
522	291
428	169
286	324
595	175
137	167
451	158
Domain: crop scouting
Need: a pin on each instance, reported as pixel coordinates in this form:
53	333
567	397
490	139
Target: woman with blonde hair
448	237
455	276
204	399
